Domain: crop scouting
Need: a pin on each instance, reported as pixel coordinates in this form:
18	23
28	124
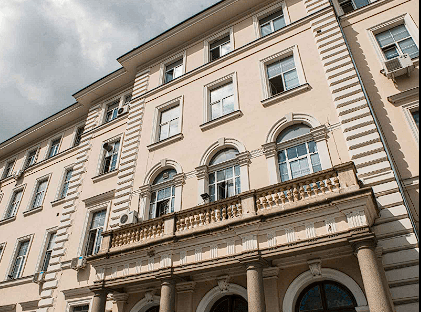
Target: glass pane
292	152
84	308
163	133
315	162
220	175
169	76
98	219
237	185
216	110
167	192
287	63
164	175
224	155
221	92
384	38
416	116
361	3
337	297
228	105
281	156
220	42
178	71
237	171
312	300
266	30
173	127
299	168
152	211
279	23
225	49
161	195
23	248
230	188
301	149
98	240
399	32
276	85
215	54
170	114
347	7
153	197
291	79
409	46
274	70
312	147
229	173
391	52
283	170
293	132
221	190
113	162
212	192
212	178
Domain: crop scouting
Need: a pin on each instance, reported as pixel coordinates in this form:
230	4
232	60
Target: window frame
117	99
179	101
340	10
267	11
44	249
264	63
14	256
2	249
171	60
6	163
28	152
155	188
62	182
16	189
404	19
78	302
75	134
50	146
113	140
408	109
30	208
216	37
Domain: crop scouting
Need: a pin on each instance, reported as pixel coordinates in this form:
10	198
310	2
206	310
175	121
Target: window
416	117
282	75
169	122
8	169
222	100
55	144
297	160
224	182
173	70
324	297
397	41
112	110
39	194
127	99
31	158
19	260
48	252
66	183
231	303
272	23
220	47
163	194
1	250
14	204
351	5
110	157
81	308
78	135
95	230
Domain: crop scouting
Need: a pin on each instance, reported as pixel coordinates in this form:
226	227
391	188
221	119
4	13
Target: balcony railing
303	191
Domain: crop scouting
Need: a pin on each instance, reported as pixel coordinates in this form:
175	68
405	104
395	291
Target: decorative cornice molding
99	198
29	305
404	95
77	292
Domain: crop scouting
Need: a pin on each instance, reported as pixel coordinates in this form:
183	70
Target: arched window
297	153
224	175
153	309
326	296
231	303
163	194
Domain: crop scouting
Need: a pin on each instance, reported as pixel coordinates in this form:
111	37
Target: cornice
99	198
404	95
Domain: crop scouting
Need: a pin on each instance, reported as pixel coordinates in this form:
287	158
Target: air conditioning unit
123	110
128	218
39	277
398	66
78	263
108	147
18	174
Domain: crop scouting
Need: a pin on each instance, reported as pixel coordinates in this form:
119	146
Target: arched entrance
232	303
326	296
153	309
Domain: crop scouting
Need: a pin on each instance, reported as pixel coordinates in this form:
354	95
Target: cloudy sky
49	49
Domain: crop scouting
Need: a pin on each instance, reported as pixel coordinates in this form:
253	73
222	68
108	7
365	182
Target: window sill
59	201
32	211
285	95
221	120
14	282
105	176
4	221
363	9
168	141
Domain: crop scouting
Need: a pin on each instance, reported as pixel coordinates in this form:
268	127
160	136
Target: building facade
260	156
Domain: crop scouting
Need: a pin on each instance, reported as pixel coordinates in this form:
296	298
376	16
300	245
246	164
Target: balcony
325	208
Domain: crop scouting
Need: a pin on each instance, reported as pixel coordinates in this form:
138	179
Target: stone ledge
221	120
168	141
105	176
285	95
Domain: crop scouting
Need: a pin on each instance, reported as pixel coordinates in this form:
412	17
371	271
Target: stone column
167	302
119	301
377	296
99	300
255	290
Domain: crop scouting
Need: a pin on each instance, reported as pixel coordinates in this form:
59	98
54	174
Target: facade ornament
223	283
202	172
315	267
149	295
269	149
243	158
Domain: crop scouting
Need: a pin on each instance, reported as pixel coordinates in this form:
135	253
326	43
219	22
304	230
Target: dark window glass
416	116
224	155
153	309
78	136
8	169
82	308
231	303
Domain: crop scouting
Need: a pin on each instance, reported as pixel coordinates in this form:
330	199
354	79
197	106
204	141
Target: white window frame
77	127
2	249
107	109
78	302
15	250
407	111
17	189
50	145
87	224
163	185
169	61
341	12
62	181
120	98
36	149
266	93
231	78
42	254
269	10
8	161
179	101
38	181
404	19
215	37
103	153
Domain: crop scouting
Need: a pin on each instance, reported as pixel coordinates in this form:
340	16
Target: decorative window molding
290	234
15	251
77	134
310	230
198	254
8	166
170	60
103	153
271	237
46	250
214	251
408	111
31	157
2	248
231	247
38	194
78	303
263	65
215	37
265	12
212	296
8	213
63	181
53	150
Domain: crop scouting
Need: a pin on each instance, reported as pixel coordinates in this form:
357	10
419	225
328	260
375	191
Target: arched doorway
326	296
231	303
153	309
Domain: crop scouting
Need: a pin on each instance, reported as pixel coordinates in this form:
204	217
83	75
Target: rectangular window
1	250
169	121
282	75
173	70
95	230
162	202
54	148
19	260
222	101
66	182
78	135
351	5
8	169
112	110
39	194
14	204
110	157
127	99
48	252
272	23
416	117
30	159
397	41
81	308
224	183
220	47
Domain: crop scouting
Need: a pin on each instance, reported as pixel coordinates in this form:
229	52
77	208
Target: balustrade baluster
308	188
289	195
224	212
301	191
276	198
329	183
208	216
283	198
258	204
295	192
336	182
322	185
315	187
229	210
240	209
234	210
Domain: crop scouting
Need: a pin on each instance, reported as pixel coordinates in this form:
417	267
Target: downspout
376	122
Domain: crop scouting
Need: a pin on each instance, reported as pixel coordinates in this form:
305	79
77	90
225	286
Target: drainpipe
376	122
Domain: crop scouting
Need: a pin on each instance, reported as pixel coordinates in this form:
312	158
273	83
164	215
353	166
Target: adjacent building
259	156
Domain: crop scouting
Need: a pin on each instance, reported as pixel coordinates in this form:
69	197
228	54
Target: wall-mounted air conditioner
123	110
78	263
39	277
128	218
398	66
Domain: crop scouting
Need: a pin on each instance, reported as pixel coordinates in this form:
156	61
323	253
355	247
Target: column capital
365	241
119	297
269	149
201	172
179	179
186	287
99	290
271	273
253	260
145	190
243	158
